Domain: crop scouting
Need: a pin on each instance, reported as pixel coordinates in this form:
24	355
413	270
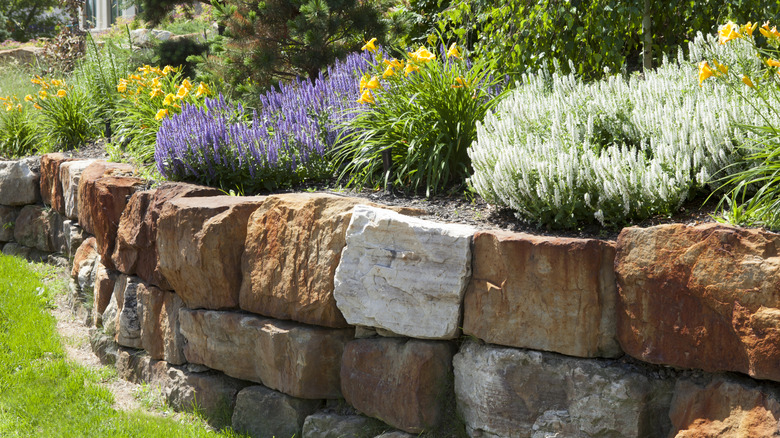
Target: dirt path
75	339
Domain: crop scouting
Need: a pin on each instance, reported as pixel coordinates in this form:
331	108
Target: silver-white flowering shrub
559	151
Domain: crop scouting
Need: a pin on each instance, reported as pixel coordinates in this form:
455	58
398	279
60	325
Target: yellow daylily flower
43	94
773	62
169	99
363	83
155	92
62	93
19	107
746	80
28	98
393	63
8	107
704	71
36	106
460	83
453	51
748	28
373	83
410	68
422	55
720	67
366	97
182	92
168	69
57	83
769	33
728	32
135	77
370	45
203	89
121	86
36	80
186	84
388	72
163	113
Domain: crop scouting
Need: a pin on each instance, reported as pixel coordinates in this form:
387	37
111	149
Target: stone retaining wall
323	316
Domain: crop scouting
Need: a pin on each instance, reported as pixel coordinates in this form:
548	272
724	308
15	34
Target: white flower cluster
559	151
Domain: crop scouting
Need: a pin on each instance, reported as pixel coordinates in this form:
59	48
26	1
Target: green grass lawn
42	394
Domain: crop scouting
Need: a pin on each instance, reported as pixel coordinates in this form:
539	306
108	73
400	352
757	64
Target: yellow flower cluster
54	87
11	103
731	31
416	59
162	88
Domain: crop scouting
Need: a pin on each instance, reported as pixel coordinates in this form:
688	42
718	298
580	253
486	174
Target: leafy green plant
753	196
423	114
147	98
19	135
67	114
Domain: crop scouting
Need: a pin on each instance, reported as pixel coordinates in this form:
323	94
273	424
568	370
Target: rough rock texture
403	382
86	253
293	246
103	192
160	335
16	250
19	182
725	407
73	236
104	346
213	393
331	425
396	434
130	313
403	274
299	360
264	413
37	227
136	249
519	393
200	242
8	217
70	175
51	184
700	297
544	293
105	281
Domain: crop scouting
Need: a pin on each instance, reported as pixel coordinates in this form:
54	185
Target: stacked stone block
317	315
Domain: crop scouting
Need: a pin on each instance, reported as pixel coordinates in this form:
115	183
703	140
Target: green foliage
425	119
27	19
68	116
411	21
267	41
176	52
525	36
19	135
156	11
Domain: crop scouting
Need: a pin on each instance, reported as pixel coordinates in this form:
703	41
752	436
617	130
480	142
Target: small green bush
423	113
67	114
19	135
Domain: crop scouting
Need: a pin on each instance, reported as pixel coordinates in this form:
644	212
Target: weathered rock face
403	274
331	425
200	242
51	184
87	251
19	182
130	313
724	407
105	281
136	248
298	360
8	217
160	335
403	382
73	236
103	193
293	246
543	293
262	412
700	297
37	227
70	175
520	393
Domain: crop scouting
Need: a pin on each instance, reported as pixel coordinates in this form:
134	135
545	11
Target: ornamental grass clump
421	113
751	70
19	135
561	152
149	96
282	144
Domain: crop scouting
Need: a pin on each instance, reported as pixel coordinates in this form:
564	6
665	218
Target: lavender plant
282	144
